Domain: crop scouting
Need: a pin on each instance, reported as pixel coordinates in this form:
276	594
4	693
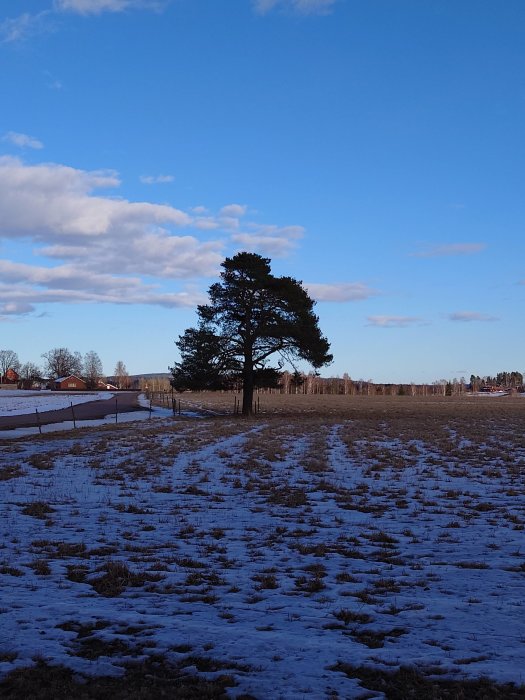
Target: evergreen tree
206	362
251	316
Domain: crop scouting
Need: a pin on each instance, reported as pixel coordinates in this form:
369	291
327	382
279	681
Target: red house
10	377
70	383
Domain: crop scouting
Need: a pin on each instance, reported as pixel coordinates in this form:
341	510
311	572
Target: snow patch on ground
18	402
277	548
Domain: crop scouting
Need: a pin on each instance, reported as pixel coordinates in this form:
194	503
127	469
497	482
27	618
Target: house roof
69	376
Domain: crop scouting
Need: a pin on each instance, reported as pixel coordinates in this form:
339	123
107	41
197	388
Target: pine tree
251	316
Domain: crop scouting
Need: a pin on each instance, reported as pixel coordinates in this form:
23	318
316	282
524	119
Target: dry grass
150	680
38	509
409	683
329	406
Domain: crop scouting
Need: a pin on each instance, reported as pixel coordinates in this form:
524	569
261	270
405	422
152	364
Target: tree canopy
60	362
251	316
8	360
121	375
93	370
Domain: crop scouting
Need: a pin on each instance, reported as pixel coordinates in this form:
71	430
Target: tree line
312	383
61	362
502	380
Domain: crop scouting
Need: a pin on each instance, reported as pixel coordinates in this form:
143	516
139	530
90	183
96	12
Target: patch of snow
19	402
250	544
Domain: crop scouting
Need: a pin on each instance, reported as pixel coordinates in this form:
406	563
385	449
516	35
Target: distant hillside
153	380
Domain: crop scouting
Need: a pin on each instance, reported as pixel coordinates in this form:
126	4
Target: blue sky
371	148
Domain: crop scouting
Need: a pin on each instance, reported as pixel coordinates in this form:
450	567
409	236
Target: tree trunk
247	387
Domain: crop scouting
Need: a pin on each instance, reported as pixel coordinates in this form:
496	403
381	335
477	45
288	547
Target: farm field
330	547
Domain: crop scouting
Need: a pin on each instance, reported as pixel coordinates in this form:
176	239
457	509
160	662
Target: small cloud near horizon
393	321
156	179
341	292
450	249
468	316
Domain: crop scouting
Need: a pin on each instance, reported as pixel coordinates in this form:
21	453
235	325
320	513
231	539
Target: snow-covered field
15	402
275	549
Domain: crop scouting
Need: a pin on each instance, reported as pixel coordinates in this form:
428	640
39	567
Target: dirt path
127	401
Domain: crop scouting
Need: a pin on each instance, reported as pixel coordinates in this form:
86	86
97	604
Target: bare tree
8	360
121	375
93	370
30	371
61	362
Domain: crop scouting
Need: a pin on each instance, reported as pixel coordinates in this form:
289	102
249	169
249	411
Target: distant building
10	377
70	383
106	386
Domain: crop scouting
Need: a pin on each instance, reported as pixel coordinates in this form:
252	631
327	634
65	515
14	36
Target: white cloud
57	201
291	232
233	210
27	25
278	241
156	179
91	246
206	223
108	244
264	6
65	277
24	26
267	245
450	249
468	316
393	321
96	7
22	299
341	292
22	140
230	223
16	308
229	217
173	257
304	7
